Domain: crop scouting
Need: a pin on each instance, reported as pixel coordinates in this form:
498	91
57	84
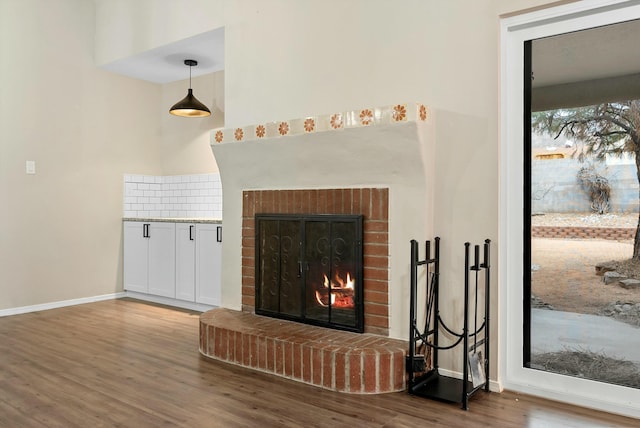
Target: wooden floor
131	364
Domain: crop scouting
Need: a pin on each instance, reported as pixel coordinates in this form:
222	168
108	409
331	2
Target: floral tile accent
366	117
239	134
219	136
336	121
388	115
283	128
309	124
399	113
422	112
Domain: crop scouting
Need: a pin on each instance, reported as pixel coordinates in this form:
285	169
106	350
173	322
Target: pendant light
189	106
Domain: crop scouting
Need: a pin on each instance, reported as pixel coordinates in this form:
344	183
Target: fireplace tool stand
424	344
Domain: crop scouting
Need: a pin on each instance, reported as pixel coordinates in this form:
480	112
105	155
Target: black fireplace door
309	269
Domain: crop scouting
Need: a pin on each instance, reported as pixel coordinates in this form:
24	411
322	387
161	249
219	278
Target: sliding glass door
581	258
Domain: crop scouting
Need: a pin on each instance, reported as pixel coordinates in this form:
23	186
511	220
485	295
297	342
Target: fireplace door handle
299	269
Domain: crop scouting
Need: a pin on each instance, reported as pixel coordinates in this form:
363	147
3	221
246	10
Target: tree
605	129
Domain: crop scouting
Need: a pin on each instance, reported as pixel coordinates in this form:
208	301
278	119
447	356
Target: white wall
60	229
284	59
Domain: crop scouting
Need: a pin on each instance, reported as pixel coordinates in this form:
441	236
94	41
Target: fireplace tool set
425	379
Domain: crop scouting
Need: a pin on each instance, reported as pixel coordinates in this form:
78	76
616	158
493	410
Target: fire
338	292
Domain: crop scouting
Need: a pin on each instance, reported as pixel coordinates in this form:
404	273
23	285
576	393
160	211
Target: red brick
279	357
306	364
375	249
271	354
316	367
288	359
376	226
239	346
376	204
376	321
377	309
381	286
376	237
380	331
384	370
381	262
376	273
398	371
340	367
370	372
327	367
355	372
253	350
297	361
366	202
356	203
376	297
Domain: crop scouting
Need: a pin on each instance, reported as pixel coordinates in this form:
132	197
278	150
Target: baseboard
494	386
198	307
60	304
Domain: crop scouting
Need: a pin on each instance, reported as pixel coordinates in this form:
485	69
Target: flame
341	294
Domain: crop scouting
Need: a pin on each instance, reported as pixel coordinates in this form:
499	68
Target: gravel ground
563	270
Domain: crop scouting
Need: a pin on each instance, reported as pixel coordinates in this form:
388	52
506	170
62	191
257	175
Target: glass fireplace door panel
280	280
330	255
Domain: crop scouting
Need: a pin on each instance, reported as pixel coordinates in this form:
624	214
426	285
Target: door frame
514	31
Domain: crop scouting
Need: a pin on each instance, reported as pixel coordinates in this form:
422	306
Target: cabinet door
162	259
135	266
186	261
208	263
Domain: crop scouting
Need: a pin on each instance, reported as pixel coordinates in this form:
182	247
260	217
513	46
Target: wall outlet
31	167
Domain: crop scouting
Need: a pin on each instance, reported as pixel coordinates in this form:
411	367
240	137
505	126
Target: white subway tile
143	214
143	186
149	193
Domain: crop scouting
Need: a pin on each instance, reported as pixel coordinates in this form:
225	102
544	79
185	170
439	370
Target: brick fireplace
375	163
372	203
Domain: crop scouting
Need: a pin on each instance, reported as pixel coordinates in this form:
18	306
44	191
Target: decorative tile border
387	115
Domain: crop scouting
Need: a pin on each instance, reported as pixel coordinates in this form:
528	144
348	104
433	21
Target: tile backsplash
173	196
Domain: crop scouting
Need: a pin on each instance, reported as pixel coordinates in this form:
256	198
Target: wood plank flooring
131	364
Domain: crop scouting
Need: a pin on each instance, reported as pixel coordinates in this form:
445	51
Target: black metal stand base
438	387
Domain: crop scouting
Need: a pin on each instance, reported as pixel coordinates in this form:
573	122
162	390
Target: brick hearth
331	359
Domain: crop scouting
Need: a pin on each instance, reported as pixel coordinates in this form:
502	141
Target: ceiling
165	64
595	53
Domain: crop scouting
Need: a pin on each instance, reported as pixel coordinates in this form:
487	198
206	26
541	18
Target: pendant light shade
189	106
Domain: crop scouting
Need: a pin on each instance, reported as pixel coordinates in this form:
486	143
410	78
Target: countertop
174	220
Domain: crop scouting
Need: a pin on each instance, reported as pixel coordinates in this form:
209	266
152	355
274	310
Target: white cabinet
198	262
174	260
149	257
208	263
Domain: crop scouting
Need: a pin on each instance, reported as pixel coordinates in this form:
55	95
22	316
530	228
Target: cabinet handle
145	230
191	233
219	234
